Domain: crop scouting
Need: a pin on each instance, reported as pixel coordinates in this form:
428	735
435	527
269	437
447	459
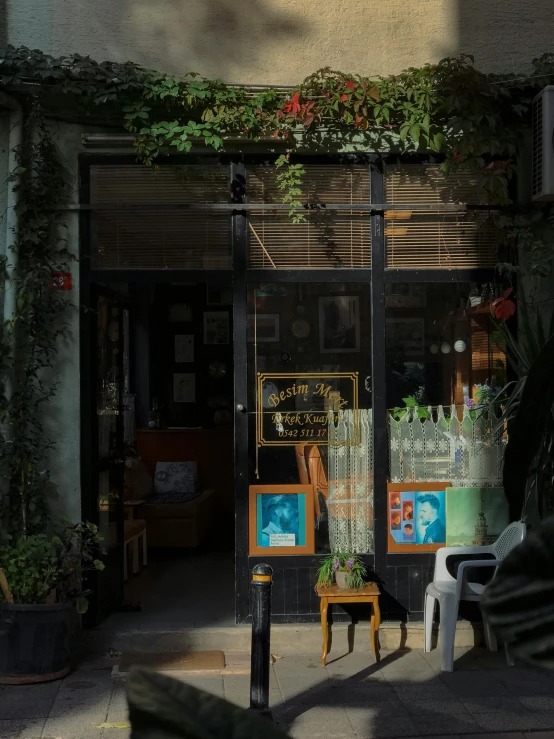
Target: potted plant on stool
41	593
347	570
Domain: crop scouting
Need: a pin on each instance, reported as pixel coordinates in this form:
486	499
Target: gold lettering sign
294	408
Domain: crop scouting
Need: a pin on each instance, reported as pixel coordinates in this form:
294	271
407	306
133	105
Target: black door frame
404	575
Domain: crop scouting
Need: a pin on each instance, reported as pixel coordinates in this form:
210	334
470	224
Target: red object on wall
61	281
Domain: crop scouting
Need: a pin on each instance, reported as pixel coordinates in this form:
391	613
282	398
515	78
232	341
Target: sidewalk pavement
405	695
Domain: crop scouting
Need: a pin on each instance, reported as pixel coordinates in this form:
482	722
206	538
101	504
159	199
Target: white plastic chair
449	591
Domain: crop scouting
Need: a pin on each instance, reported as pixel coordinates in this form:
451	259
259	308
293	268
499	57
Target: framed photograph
219	295
339	324
180	313
265	328
406	295
216	327
184	348
475	516
184	387
407	335
417	516
281	519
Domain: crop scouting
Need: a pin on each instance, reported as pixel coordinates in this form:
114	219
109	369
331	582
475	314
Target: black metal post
261	627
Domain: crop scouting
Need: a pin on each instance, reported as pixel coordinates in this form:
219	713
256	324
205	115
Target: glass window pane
310	415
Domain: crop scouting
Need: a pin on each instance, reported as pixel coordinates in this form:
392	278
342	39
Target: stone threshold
236	663
284	639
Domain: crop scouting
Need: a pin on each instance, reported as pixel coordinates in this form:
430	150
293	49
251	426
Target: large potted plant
41	595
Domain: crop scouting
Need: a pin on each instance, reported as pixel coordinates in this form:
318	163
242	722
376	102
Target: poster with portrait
417	516
281	519
184	387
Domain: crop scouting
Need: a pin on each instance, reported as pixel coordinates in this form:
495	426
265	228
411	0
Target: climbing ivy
471	119
28	345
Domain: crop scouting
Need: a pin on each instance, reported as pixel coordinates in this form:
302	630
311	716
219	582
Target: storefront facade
342	326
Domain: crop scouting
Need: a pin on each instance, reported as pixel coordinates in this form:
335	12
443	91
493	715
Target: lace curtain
350	477
466	451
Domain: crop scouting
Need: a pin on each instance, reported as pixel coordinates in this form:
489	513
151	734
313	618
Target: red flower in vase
503	308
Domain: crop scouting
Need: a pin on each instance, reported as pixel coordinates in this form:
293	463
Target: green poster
475	516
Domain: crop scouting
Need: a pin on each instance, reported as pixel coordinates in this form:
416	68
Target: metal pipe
12	219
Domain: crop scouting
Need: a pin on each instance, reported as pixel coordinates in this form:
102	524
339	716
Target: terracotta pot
340	579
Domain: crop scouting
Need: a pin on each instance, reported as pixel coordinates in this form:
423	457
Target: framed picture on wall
216	327
406	295
281	519
219	295
263	327
406	335
180	313
339	324
184	387
416	516
184	348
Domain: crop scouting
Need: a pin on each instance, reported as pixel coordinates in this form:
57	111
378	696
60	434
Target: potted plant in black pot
41	596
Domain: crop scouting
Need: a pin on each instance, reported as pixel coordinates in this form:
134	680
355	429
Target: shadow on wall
504	35
217	38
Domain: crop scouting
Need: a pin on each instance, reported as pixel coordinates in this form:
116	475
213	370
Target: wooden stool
134	530
369	594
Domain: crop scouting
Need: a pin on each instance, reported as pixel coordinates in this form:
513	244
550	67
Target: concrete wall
281	41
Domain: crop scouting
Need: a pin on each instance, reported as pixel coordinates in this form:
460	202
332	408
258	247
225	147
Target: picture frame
339	324
403	505
216	327
180	313
266	327
407	333
184	387
406	295
184	348
281	519
219	294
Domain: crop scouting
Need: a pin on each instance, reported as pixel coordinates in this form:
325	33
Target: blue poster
418	517
281	520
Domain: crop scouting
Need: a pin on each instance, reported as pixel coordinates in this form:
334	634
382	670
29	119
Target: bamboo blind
432	239
160	239
328	239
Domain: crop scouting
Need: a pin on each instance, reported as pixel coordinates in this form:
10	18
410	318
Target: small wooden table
129	508
369	594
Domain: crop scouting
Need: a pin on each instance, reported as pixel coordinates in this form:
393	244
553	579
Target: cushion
176	478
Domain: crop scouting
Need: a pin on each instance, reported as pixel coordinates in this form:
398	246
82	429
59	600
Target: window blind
159	239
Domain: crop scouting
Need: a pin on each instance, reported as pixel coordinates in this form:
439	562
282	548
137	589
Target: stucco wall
281	41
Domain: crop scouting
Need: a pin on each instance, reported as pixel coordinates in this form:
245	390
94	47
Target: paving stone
212	685
430	689
506	735
367	723
28	701
437	706
547	717
473	684
21	728
237	691
457	723
513	721
73	726
497	704
322	722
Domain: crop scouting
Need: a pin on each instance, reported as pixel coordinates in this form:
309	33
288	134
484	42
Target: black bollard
261	626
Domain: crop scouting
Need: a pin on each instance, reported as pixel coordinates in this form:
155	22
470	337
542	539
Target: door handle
241	408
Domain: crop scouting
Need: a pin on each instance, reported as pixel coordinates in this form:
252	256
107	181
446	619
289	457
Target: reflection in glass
310	387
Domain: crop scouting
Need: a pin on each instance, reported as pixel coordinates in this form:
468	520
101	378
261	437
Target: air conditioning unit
543	145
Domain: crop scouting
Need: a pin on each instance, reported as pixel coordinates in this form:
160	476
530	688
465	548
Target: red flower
350	84
294	106
343	98
504	308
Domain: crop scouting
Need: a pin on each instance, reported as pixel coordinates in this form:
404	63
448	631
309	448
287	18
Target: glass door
310	435
110	368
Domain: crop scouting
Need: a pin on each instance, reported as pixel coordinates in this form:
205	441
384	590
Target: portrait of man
431	518
395	521
395	500
408	510
408	531
280	516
